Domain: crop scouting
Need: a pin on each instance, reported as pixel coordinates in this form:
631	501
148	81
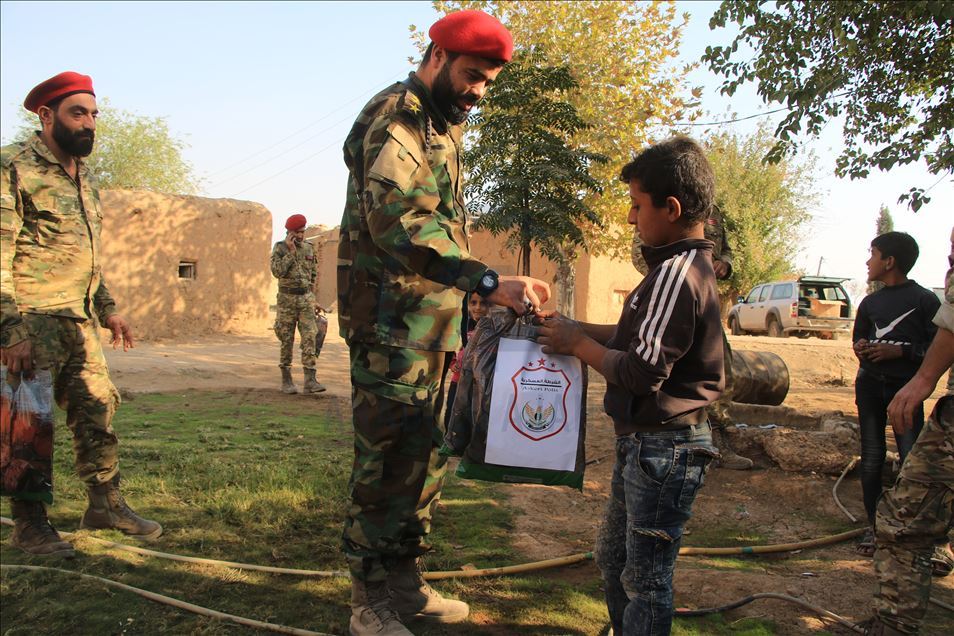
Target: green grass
262	478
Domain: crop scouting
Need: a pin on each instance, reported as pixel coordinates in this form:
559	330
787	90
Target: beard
447	99
77	143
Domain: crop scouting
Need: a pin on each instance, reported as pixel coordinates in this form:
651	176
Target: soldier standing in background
719	410
403	268
294	265
53	299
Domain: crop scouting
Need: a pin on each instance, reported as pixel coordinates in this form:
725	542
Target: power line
294	165
730	121
284	152
747	117
302	129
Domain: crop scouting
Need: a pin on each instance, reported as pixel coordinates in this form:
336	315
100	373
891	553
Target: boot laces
118	502
380	607
40	524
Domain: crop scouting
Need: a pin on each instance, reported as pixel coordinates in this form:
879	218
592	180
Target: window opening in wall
187	270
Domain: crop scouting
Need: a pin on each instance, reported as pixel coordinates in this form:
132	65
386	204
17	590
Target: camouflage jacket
403	258
945	316
294	270
49	241
714	231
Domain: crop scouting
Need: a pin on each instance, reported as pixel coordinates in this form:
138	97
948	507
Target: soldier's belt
297	291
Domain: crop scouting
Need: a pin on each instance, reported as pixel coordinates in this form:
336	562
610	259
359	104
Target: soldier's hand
290	243
721	269
906	401
122	332
517	292
18	358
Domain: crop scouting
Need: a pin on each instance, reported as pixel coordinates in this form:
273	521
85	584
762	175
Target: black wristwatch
488	283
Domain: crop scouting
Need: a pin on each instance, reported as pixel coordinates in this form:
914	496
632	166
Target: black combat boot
108	509
34	534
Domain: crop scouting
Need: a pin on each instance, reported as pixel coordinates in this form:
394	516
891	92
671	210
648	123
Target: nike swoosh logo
880	332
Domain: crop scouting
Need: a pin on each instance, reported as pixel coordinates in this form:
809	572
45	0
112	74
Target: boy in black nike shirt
893	329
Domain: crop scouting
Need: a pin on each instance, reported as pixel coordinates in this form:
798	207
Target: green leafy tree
526	178
623	56
766	206
132	151
884	224
884	67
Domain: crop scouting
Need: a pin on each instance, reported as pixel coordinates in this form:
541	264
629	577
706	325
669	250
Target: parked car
810	305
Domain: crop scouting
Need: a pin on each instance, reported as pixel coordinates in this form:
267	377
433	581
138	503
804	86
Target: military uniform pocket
396	163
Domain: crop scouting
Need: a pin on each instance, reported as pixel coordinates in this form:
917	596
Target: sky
264	94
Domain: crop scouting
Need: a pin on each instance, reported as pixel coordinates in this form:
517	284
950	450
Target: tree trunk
566	288
525	258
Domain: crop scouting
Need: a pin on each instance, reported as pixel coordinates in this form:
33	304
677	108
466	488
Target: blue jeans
655	481
873	393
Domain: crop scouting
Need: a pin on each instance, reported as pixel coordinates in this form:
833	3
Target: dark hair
901	246
451	55
676	168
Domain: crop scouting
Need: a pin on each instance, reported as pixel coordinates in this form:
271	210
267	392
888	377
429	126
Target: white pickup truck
810	305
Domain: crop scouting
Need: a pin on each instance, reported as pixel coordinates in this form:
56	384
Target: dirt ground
765	505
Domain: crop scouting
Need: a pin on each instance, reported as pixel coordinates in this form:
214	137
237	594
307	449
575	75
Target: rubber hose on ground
844	622
511	569
174	602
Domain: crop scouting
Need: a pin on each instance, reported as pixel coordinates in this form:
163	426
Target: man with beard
293	264
53	300
403	268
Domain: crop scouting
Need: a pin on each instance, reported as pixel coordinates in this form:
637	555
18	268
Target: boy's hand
720	268
860	347
559	334
881	352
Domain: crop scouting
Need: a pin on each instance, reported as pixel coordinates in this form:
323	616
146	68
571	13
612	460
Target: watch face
487	281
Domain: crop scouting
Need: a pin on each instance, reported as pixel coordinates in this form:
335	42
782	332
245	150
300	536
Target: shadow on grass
250	477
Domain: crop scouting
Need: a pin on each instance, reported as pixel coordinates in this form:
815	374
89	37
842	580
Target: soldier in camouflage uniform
719	410
294	265
403	268
917	514
53	299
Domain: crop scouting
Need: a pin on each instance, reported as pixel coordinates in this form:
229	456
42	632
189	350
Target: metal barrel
759	377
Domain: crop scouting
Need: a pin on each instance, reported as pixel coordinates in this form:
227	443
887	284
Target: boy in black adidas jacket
893	328
663	365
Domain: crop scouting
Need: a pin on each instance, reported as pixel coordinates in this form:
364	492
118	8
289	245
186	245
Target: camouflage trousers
718	411
293	311
396	479
73	353
913	517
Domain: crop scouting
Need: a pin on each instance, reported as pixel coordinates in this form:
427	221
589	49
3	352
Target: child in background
663	364
477	308
893	328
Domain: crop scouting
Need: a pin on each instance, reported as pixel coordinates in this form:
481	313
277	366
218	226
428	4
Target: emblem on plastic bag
538	410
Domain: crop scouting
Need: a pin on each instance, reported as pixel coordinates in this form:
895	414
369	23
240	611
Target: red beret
60	85
296	222
475	33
